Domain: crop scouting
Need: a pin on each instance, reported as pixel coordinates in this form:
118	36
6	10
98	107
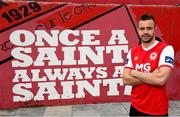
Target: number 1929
22	11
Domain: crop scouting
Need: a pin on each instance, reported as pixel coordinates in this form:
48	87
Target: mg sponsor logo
143	67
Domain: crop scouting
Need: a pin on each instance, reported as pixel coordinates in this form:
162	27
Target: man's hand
128	79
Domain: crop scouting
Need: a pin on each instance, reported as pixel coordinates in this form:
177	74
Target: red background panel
103	17
145	2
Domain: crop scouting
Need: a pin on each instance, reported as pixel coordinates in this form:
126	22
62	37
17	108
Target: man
148	67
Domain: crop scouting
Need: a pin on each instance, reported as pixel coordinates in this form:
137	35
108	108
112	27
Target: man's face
146	30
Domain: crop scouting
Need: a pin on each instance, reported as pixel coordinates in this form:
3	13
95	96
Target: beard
147	38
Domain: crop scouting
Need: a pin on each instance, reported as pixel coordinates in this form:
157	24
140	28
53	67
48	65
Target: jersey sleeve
128	63
167	57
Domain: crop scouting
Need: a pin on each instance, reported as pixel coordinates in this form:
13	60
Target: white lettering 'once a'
118	37
65	37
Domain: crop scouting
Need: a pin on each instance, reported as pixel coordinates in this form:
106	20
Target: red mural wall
54	53
144	2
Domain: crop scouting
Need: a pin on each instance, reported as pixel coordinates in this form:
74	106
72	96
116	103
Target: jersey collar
146	49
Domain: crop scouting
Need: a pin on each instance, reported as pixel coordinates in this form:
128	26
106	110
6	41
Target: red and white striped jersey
148	98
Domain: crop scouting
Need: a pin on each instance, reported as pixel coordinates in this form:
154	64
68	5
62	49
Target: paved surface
88	110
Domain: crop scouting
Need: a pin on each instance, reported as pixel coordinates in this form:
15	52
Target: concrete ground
120	109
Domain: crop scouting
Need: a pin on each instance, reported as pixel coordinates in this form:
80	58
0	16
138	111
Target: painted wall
145	2
63	53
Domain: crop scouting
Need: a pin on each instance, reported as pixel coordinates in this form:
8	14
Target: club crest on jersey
153	55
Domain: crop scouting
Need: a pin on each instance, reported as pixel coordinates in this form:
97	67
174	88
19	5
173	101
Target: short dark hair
147	17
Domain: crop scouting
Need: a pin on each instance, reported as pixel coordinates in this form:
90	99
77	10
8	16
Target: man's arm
128	79
165	69
155	78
